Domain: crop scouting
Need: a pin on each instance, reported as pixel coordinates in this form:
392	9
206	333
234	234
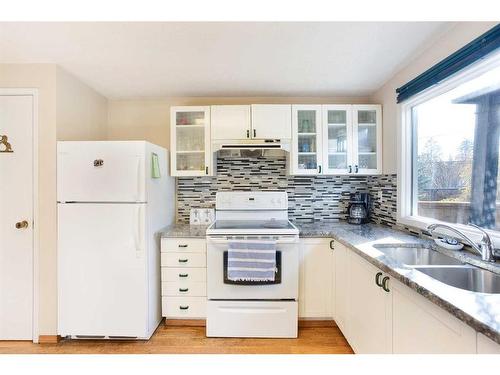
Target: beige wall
455	38
149	119
78	107
81	111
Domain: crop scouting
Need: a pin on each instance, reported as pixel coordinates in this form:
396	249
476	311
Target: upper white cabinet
230	122
337	139
190	141
306	139
271	121
367	139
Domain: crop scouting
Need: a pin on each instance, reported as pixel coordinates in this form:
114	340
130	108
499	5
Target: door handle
248	133
384	284
332	242
319	169
356	169
350	169
22	224
377	279
254	133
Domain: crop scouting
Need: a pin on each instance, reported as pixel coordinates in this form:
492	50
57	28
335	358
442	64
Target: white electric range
252	308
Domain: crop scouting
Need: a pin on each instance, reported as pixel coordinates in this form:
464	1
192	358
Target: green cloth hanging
155	166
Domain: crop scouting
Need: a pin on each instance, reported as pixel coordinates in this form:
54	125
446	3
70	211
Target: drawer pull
183	290
183	307
183	275
183	245
183	260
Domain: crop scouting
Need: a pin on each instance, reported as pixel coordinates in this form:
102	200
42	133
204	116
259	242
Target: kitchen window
449	150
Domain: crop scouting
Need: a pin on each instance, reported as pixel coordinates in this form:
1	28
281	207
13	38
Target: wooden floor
192	340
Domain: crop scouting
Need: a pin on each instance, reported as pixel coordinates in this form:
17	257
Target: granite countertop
179	230
478	310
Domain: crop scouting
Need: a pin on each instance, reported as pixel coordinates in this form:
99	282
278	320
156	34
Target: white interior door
102	280
16	206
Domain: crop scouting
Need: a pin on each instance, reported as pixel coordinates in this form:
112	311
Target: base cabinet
421	327
370	308
315	285
486	345
378	314
342	288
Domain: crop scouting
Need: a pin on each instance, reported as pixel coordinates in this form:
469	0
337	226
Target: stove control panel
257	200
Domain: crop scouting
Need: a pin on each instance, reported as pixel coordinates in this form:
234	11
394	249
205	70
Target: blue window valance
472	52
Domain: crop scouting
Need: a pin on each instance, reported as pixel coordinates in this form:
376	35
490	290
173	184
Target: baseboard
311	322
185	322
303	322
48	339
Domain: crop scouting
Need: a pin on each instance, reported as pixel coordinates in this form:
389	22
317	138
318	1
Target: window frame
406	204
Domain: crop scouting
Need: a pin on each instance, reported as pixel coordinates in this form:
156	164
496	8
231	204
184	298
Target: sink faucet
485	248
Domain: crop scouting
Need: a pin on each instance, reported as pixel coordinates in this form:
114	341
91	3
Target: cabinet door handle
377	279
183	307
248	133
332	244
319	169
206	170
183	260
385	280
254	133
183	290
183	275
350	169
356	169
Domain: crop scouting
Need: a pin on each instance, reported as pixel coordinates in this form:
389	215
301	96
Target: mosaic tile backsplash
310	198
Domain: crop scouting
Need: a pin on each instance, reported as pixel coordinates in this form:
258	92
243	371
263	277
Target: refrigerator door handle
139	233
139	184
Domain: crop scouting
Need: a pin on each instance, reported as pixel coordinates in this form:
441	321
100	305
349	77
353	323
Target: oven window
277	277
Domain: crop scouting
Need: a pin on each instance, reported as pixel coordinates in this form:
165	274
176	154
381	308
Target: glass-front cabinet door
337	139
367	139
190	141
306	137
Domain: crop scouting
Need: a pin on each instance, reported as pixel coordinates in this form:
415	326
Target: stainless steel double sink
443	268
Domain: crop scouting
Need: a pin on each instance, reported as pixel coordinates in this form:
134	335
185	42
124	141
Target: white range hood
252	144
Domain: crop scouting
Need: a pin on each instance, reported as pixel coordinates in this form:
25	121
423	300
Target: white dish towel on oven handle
251	260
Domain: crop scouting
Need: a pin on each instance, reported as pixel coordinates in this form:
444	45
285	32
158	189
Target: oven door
286	282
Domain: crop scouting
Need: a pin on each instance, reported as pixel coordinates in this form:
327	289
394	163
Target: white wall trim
404	136
36	233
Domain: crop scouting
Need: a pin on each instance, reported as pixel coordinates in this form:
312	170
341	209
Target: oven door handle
219	240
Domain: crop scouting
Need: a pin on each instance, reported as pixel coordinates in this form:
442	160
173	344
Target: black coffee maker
358	211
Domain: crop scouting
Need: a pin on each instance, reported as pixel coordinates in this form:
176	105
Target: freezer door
102	273
101	172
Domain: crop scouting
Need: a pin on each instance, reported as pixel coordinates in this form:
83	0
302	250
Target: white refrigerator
113	199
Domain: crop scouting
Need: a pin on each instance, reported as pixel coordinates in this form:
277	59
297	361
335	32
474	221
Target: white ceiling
222	59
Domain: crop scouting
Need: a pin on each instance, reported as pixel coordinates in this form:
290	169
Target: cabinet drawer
183	260
184	288
184	307
190	245
169	274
